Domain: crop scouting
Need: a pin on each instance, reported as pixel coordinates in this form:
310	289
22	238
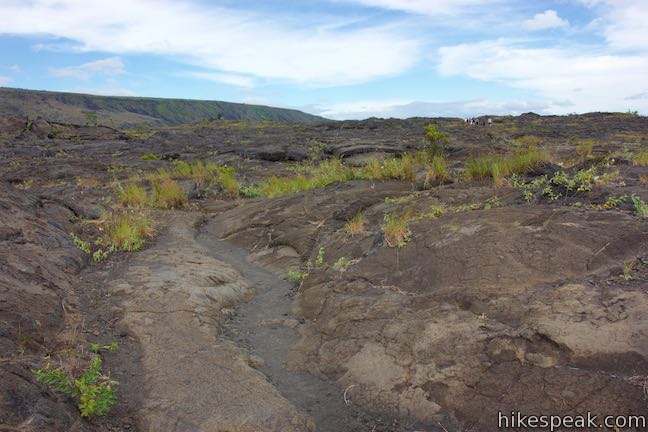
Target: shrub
436	211
396	230
168	194
435	141
355	225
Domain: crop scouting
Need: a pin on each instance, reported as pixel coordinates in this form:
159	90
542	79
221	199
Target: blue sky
339	58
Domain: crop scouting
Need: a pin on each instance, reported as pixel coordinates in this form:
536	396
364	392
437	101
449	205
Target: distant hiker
490	122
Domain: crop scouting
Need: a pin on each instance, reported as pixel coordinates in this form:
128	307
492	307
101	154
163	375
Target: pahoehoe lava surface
496	301
266	325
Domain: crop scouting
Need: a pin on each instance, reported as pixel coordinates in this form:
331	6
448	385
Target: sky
341	59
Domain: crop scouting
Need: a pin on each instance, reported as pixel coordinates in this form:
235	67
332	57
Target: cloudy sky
338	58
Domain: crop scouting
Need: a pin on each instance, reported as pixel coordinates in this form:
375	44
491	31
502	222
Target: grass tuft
128	231
168	194
498	167
640	159
396	230
355	225
132	195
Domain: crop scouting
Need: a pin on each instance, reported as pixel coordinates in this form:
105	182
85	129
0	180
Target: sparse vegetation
436	170
498	167
435	141
585	148
126	231
168	194
355	225
342	264
436	211
640	205
321	253
132	195
94	390
640	159
250	191
396	230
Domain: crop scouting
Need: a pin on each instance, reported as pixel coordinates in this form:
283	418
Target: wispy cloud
588	80
108	66
305	50
103	91
401	109
546	20
427	7
4	80
231	79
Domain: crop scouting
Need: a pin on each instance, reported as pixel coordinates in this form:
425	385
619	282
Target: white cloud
546	20
4	80
407	109
103	91
108	66
589	81
14	68
299	50
428	7
231	79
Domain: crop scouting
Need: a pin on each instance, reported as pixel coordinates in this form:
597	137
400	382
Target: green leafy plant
435	141
640	205
436	211
341	264
83	245
94	390
250	191
320	257
492	203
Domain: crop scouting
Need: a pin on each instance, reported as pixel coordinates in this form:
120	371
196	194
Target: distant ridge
118	111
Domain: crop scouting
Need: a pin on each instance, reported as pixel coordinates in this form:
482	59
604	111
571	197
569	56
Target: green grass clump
228	182
128	231
437	170
402	168
640	159
640	205
498	167
250	191
132	195
149	156
168	194
312	176
396	230
355	225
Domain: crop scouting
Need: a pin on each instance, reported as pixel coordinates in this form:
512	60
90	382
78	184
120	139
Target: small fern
94	390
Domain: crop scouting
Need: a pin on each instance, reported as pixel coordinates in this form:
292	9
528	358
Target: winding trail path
265	326
202	371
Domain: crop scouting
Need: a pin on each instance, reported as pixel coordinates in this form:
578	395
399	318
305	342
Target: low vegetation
498	167
168	194
396	230
94	390
640	159
312	176
133	195
355	225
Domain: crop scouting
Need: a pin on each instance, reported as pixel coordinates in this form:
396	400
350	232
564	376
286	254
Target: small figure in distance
490	122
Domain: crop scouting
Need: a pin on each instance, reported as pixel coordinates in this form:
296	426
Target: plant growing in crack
94	390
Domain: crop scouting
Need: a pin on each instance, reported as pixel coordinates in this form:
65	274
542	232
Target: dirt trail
265	326
174	295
